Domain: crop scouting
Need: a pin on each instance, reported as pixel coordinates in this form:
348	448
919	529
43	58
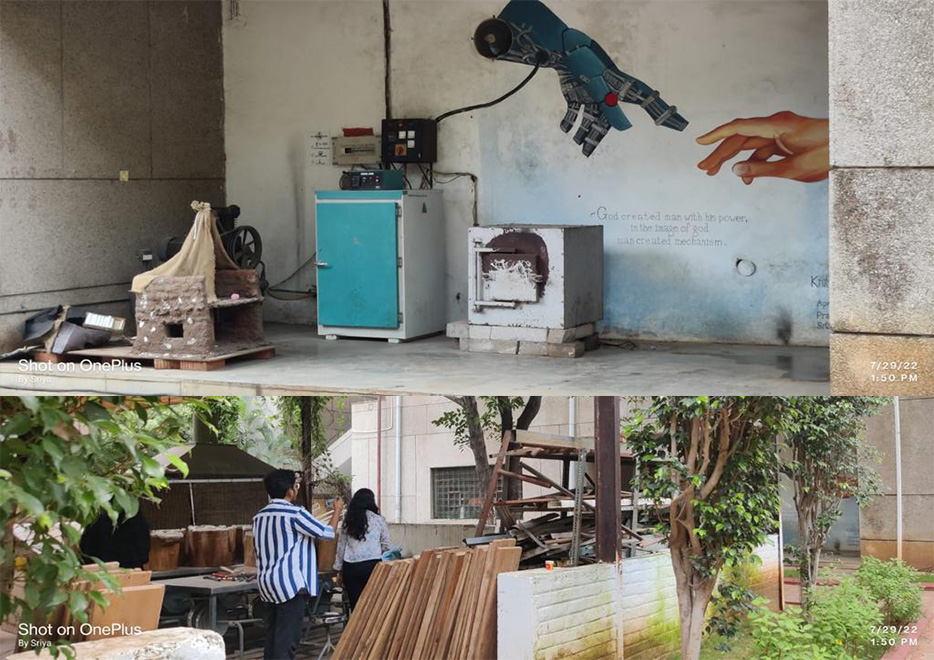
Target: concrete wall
877	520
882	196
293	69
415	538
88	89
581	612
716	59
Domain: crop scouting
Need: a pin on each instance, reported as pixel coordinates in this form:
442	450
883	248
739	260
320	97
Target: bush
784	636
893	586
844	624
846	618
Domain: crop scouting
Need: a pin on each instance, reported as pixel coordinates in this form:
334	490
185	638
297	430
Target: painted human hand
802	145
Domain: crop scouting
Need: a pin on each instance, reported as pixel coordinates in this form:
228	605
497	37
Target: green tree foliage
474	417
714	460
827	461
63	461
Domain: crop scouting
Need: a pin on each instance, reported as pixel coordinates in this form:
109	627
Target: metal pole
572	431
607	459
398	422
379	449
578	509
898	479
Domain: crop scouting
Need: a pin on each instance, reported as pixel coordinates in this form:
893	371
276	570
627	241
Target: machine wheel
244	246
493	38
198	618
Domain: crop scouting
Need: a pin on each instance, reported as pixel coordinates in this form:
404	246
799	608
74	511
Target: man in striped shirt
287	572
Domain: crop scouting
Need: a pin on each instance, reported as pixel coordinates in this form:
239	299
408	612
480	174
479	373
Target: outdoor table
202	586
184	571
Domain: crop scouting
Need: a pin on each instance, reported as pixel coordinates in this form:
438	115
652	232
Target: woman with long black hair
363	540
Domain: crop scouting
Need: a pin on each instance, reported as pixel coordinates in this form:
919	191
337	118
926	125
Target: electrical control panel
410	140
372	180
356	150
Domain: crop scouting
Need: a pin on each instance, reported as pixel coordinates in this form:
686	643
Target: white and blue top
285	552
373	545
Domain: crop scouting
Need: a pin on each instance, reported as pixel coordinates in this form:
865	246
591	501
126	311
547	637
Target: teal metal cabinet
380	263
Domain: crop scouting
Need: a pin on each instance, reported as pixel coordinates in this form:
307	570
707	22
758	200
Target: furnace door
358	274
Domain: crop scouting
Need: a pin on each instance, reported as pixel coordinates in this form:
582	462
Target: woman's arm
341	545
384	540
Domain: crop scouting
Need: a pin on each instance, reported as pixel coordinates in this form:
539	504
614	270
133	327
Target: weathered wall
568	612
877	520
292	69
882	196
415	538
583	610
651	624
716	59
88	89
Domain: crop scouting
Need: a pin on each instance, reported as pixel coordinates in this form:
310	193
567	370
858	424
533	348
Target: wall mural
686	257
530	33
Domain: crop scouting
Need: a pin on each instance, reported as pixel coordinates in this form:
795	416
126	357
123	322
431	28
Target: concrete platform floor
306	363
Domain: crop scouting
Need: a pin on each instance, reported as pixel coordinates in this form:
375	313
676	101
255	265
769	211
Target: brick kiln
198	304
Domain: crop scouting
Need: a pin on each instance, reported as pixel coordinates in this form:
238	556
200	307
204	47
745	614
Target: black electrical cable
502	98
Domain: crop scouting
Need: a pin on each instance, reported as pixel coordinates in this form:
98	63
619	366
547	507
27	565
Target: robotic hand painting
528	32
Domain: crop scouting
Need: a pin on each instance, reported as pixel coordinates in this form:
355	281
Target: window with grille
455	493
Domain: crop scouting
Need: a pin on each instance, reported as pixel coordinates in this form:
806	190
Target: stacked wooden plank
441	604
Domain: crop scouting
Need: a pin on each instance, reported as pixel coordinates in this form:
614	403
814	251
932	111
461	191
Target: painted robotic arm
528	32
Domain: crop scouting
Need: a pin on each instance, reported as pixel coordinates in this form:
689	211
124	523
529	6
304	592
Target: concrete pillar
882	196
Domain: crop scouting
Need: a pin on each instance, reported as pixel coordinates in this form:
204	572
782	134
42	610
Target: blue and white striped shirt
285	552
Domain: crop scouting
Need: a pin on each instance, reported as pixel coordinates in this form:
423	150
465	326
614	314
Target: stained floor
306	363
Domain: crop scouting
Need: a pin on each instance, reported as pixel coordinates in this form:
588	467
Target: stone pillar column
882	196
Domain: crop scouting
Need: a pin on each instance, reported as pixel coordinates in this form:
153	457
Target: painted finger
727	149
751	127
784	168
763	153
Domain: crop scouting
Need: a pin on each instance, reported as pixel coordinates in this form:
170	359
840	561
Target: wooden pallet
441	604
124	354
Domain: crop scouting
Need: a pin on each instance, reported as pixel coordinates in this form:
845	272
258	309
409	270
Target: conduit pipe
898	478
398	422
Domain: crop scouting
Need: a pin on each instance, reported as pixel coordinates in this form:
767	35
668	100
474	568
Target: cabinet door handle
321	264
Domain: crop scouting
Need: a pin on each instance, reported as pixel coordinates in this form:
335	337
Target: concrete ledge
166	644
881	83
863	364
919	554
881	271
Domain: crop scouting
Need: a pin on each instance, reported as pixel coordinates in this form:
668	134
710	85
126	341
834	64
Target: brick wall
565	613
651	626
581	612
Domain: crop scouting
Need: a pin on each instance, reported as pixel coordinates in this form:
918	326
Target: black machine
409	141
373	180
243	243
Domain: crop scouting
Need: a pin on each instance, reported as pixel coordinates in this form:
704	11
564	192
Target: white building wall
426	446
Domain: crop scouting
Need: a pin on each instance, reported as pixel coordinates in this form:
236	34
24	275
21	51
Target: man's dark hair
278	482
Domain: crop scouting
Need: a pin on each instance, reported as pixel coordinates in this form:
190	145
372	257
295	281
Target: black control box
373	180
410	141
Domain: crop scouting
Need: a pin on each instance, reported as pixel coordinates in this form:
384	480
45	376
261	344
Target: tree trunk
694	594
477	443
805	565
532	406
305	411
